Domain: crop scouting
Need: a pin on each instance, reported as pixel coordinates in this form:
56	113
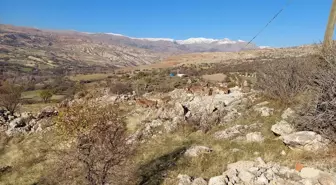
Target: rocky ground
238	118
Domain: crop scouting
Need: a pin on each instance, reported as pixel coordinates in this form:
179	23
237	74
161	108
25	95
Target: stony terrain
222	117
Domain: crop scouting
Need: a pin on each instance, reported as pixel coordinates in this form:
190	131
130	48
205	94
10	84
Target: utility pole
328	36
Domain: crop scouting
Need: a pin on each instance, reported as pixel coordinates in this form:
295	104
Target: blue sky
302	22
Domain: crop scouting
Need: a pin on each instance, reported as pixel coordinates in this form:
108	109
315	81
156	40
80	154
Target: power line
269	22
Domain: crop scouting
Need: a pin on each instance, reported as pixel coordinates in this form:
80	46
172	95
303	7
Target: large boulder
306	140
282	128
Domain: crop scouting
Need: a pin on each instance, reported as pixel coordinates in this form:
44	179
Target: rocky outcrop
26	122
306	140
197	110
259	172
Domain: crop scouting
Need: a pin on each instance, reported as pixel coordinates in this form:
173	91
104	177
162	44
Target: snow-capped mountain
171	45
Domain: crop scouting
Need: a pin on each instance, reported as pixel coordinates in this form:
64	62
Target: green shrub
46	95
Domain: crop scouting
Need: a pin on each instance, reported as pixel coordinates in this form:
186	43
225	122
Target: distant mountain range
176	46
72	49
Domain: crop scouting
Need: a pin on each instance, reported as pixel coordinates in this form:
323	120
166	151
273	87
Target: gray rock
309	173
253	170
231	132
262	180
306	140
246	176
47	112
308	182
263	110
260	162
195	151
218	180
288	113
282	128
199	181
254	137
327	179
184	179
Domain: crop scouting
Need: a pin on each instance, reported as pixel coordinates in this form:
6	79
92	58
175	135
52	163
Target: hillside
50	49
30	47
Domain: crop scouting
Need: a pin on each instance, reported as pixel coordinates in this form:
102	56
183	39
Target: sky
302	22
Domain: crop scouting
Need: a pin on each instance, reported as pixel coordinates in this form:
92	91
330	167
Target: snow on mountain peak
116	34
156	39
197	40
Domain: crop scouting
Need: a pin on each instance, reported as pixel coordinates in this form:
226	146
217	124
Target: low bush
319	114
121	88
284	80
100	147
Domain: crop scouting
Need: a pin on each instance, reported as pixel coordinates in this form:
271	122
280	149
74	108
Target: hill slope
50	49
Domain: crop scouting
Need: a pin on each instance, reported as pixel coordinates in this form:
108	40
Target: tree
10	96
46	95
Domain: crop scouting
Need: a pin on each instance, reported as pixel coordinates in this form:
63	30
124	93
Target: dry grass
30	156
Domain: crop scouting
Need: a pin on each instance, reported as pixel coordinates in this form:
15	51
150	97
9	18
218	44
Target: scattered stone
282	128
263	110
184	179
283	152
47	112
288	113
309	173
195	151
306	140
218	180
254	137
199	181
327	179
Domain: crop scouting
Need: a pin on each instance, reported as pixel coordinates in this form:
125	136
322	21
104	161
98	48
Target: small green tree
46	95
10	96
